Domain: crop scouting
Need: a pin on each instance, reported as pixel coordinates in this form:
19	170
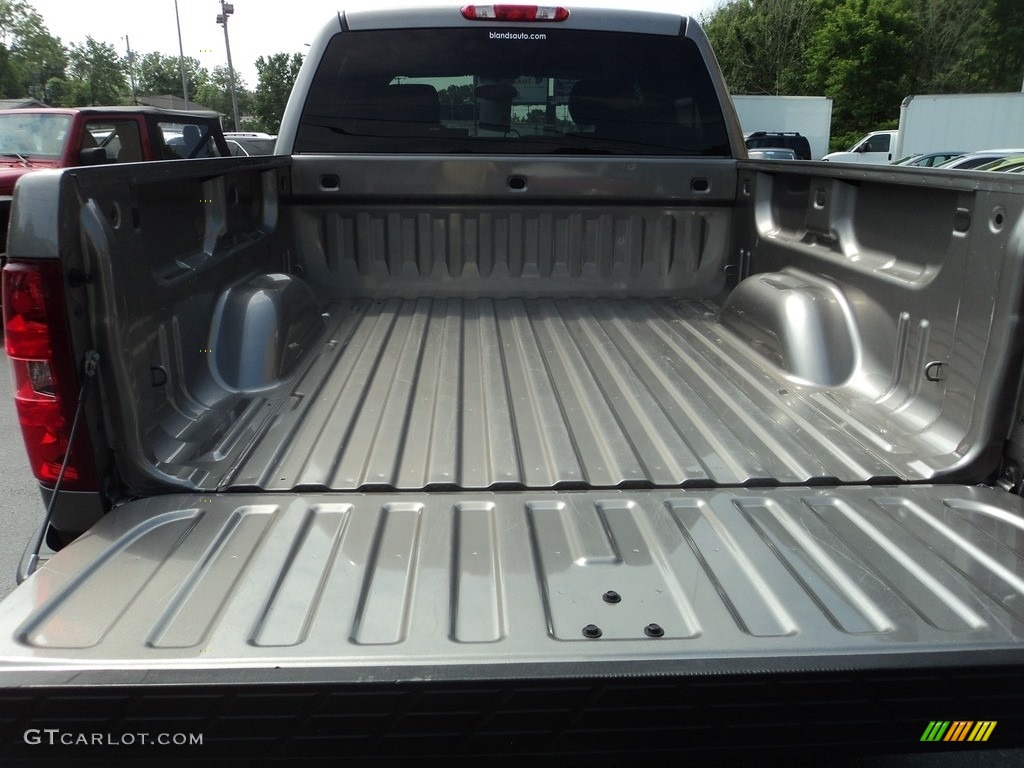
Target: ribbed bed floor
453	393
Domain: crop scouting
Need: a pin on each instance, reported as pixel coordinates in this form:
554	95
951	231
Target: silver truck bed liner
360	586
574	393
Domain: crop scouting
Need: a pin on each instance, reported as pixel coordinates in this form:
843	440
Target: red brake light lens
514	13
45	380
26	331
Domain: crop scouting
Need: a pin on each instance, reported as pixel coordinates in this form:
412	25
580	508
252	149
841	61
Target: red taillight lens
25	327
514	13
45	380
43	426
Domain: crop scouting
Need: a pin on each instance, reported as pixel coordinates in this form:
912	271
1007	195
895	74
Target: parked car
773	139
773	153
973	160
1004	165
246	146
929	159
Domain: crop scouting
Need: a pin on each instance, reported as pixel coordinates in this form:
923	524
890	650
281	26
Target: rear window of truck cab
512	90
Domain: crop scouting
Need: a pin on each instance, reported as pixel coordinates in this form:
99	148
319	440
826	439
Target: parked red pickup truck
33	139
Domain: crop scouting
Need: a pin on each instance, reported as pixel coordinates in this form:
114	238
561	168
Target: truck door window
185	141
119	139
471	90
879	143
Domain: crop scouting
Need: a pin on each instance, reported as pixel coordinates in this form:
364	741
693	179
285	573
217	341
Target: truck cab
875	148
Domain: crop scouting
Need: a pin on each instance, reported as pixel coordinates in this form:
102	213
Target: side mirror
92	156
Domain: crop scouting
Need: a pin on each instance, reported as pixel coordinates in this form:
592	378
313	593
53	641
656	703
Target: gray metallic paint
362	585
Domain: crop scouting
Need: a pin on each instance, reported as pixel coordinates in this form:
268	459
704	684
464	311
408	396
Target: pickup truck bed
350	340
539	393
433	482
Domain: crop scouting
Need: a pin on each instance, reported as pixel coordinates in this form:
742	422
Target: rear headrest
191	134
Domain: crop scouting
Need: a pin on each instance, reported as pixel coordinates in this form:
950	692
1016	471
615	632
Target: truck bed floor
577	393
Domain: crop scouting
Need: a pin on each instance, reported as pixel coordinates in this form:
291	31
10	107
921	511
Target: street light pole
181	56
226	9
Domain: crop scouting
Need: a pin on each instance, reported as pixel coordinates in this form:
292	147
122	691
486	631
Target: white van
877	147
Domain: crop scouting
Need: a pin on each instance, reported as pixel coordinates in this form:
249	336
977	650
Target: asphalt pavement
21	508
21	511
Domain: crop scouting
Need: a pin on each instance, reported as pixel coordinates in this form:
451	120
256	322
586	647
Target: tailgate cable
92	359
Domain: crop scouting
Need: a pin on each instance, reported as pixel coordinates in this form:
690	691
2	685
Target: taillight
44	373
514	13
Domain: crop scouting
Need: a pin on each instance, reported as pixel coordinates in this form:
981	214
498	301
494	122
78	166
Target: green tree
12	12
1001	49
951	45
215	93
159	75
761	44
57	88
457	94
36	55
457	102
863	56
31	55
68	92
868	55
97	74
276	75
10	84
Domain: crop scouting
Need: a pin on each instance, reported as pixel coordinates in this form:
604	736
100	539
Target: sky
257	27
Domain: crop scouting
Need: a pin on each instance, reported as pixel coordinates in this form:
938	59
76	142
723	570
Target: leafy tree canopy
32	55
158	74
868	55
99	74
215	93
276	75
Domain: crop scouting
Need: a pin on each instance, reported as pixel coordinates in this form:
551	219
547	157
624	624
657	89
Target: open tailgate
528	623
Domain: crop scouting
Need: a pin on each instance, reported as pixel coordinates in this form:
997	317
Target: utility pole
131	69
226	9
181	56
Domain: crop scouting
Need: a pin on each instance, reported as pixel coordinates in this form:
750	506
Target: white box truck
807	115
964	122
